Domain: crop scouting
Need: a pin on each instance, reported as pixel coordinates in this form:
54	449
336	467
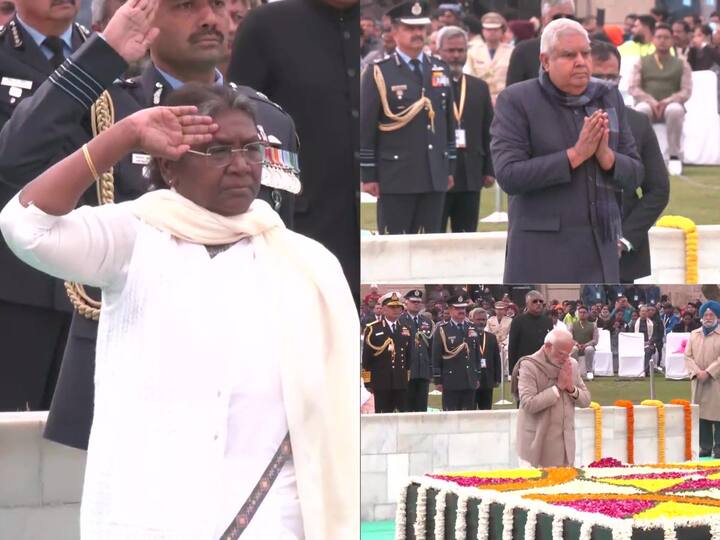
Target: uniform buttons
430	147
351	72
355	113
429	126
395	157
346	34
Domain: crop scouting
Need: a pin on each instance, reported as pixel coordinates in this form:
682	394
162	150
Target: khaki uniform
491	70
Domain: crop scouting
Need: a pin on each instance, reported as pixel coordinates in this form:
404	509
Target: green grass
377	530
694	195
606	390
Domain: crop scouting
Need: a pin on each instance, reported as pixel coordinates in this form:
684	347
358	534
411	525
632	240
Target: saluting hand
130	31
168	132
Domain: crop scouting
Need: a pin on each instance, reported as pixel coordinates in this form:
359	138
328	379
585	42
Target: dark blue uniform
456	359
386	355
55	123
411	163
420	361
34	314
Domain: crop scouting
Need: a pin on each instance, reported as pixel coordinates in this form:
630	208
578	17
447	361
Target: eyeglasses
607	77
222	155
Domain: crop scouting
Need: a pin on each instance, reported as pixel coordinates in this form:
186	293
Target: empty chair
631	354
675	355
603	355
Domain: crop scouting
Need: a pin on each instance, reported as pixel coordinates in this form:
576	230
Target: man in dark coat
420	362
407	129
528	330
303	54
456	358
563	152
387	350
473	114
56	121
639	213
34	315
490	373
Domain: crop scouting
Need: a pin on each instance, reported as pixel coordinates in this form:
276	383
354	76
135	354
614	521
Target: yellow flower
691	243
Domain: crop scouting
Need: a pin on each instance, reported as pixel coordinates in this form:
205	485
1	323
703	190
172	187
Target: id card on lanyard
460	141
483	361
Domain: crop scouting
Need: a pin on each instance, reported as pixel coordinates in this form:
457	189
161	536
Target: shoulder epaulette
254	94
17	41
126	83
381	60
371	323
2	29
83	30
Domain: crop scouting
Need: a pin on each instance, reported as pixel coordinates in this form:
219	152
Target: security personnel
490	371
420	362
387	349
34	318
456	358
56	121
407	129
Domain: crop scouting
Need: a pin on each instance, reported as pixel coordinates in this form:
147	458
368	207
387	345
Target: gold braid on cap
402	119
102	116
451	353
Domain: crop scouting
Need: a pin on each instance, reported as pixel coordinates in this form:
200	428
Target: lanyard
482	349
459	112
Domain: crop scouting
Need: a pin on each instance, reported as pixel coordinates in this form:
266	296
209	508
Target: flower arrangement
691	243
629	407
661	425
688	425
595	406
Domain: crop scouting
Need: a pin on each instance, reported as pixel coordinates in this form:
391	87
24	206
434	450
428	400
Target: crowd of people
437	83
514	321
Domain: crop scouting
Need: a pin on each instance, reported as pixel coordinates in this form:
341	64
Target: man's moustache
61	2
197	37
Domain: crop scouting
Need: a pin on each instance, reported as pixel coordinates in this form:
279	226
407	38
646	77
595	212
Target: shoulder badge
84	31
372	323
126	83
157	95
382	59
15	34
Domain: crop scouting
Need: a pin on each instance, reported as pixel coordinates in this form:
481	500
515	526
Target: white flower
507	522
440	502
421	512
484	520
460	527
557	527
400	513
530	525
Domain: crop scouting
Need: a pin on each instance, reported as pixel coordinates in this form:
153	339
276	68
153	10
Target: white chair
603	355
675	355
631	354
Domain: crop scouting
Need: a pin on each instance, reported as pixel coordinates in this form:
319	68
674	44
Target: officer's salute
387	350
59	119
407	129
456	358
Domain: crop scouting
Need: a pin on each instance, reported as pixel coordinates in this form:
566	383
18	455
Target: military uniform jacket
421	358
55	122
414	158
386	355
490	371
455	356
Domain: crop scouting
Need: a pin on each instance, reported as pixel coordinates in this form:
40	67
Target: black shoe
705	453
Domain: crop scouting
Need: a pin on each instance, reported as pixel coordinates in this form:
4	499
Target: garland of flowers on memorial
595	406
660	425
401	512
691	243
629	409
440	502
687	411
460	521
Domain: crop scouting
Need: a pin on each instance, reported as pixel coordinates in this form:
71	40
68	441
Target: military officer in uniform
34	318
56	121
407	129
490	371
421	328
456	358
387	349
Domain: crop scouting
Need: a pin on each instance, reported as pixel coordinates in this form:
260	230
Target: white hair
554	335
549	4
476	310
559	27
449	32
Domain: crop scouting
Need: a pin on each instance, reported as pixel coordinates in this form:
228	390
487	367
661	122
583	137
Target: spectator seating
631	354
603	355
675	355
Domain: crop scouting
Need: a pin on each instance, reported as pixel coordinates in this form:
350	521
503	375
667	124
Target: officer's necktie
416	70
55	44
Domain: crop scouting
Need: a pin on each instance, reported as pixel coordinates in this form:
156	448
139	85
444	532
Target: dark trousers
462	209
410	214
483	398
389	401
458	400
706	436
71	412
649	351
32	341
417	395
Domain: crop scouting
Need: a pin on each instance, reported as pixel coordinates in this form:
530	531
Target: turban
712	305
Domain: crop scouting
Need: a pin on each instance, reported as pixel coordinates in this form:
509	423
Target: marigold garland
598	429
630	410
687	410
691	243
661	426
